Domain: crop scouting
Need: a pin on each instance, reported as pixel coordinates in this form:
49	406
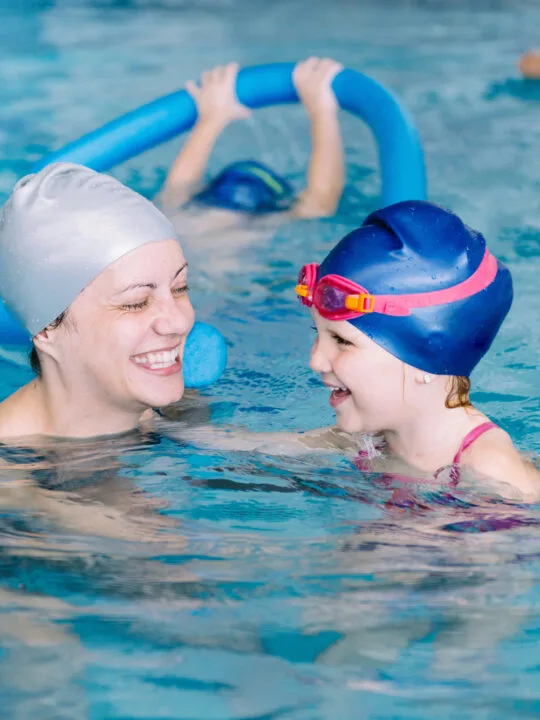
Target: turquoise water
148	580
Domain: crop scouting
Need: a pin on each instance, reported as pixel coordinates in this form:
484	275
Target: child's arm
494	456
313	81
217	106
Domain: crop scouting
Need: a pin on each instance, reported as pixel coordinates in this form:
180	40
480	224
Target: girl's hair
34	358
459	392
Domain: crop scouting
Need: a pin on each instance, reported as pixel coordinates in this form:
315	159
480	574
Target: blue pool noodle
400	152
400	157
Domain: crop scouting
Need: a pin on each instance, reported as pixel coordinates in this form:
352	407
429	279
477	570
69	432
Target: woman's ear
46	341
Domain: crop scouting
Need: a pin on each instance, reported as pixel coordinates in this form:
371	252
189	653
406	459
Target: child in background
248	189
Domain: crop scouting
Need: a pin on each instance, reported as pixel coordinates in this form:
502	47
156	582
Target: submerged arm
328	439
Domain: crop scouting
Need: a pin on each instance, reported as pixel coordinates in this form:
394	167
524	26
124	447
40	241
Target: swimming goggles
336	298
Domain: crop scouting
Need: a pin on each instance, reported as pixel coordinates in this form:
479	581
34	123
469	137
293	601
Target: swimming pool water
150	580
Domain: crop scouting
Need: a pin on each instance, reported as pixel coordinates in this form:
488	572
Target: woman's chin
162	396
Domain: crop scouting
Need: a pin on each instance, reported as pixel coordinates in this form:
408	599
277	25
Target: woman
97	276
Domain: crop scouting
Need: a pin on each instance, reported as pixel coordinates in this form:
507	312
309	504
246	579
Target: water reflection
207	580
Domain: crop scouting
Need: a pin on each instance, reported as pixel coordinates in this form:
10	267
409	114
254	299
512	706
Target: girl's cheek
348	367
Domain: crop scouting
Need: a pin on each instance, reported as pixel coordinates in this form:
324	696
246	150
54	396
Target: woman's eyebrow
180	269
136	286
150	285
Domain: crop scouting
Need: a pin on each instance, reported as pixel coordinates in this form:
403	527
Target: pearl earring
427	379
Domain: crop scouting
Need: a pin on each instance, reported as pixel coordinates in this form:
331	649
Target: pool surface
148	579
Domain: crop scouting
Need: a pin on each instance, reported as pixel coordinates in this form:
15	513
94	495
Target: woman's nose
176	317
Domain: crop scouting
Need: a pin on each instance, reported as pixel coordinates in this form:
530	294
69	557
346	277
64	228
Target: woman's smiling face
126	332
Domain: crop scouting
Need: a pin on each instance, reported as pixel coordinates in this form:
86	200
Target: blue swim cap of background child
417	247
248	187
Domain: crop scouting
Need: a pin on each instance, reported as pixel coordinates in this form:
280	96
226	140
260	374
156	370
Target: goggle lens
329	299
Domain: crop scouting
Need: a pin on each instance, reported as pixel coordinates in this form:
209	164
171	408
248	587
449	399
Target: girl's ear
423	378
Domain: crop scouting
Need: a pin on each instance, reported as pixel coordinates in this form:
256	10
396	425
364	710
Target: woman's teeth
157	360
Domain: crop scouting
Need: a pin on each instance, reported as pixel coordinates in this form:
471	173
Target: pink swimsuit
404	499
363	457
402	496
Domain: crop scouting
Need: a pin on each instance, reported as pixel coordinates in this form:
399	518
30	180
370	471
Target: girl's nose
319	361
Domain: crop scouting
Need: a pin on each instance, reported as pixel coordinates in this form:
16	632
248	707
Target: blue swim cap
418	247
249	187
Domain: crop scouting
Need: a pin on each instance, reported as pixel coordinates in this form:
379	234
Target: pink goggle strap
400	305
481	278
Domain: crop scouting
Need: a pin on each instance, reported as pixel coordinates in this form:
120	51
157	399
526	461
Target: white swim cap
59	229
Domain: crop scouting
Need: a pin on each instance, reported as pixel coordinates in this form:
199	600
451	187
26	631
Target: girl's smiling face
368	386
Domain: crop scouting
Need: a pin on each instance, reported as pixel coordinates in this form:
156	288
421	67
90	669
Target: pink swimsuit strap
471	437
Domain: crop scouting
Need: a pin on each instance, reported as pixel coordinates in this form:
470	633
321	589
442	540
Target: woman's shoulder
17	414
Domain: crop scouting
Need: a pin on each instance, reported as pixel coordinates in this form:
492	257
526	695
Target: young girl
404	309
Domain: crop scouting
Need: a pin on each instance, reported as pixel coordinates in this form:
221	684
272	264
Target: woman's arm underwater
319	440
